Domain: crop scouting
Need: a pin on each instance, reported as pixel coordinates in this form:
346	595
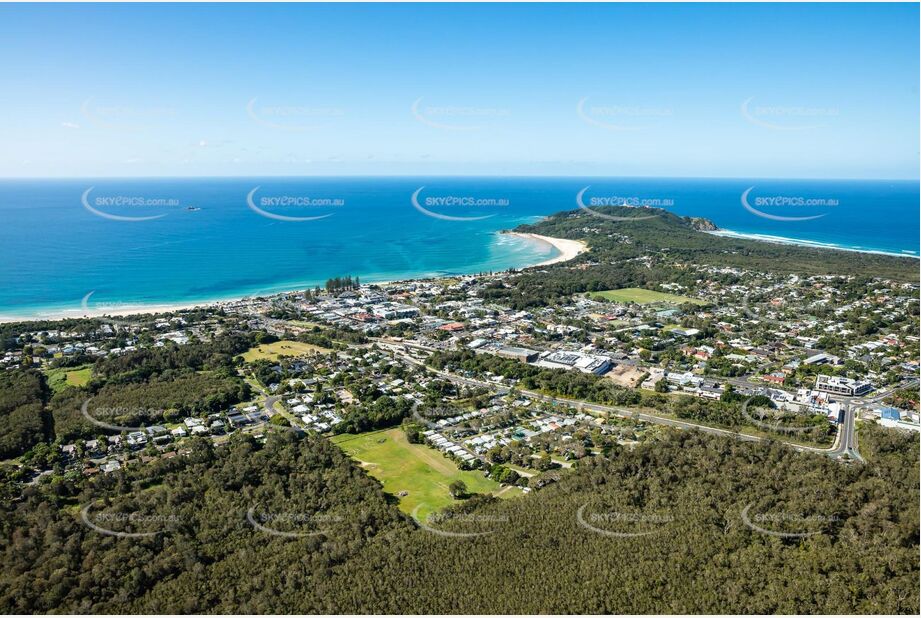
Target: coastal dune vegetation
645	252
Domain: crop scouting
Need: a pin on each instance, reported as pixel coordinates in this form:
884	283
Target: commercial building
896	419
585	363
394	311
842	386
522	354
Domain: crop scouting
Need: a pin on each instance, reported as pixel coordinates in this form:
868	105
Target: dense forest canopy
849	542
23	420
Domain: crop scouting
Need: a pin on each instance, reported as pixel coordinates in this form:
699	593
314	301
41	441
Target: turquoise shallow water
178	240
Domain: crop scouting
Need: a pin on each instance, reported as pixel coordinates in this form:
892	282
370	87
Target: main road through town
845	441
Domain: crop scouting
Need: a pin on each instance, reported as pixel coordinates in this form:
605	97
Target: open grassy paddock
274	351
641	296
62	377
420	471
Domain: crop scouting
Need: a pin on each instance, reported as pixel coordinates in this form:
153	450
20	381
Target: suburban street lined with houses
668	355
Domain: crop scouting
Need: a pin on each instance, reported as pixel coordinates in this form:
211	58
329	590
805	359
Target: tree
413	431
458	489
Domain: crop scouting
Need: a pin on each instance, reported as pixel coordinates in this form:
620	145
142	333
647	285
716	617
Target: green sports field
641	296
419	470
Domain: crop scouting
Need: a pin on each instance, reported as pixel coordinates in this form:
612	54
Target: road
879	395
269	404
845	442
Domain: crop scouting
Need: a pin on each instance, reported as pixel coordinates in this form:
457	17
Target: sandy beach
781	240
123	310
568	248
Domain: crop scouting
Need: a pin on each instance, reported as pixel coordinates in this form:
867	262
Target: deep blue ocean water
158	241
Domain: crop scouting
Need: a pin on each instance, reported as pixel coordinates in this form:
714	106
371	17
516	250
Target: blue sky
768	90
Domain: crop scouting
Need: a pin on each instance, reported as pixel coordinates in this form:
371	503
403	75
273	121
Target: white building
842	386
586	363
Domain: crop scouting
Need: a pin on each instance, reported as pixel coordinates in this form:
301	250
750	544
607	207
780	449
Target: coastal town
476	381
460	309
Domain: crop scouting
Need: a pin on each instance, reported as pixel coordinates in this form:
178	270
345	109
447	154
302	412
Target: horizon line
509	176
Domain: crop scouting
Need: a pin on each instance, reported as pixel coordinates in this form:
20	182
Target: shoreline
126	309
568	249
814	244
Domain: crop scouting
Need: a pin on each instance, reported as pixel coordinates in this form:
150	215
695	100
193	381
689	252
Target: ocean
71	245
